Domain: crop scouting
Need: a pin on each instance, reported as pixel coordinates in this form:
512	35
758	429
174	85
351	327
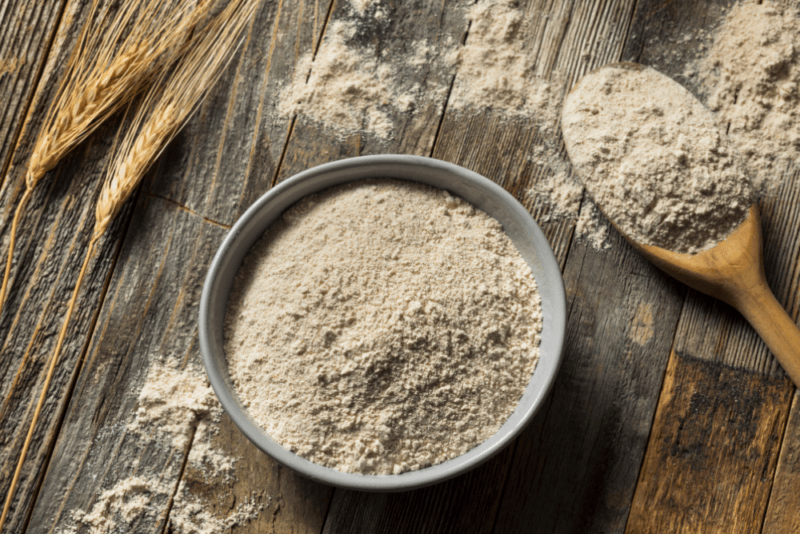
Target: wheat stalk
159	117
106	69
168	105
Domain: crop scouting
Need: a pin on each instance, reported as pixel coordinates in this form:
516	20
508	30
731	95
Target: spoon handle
760	307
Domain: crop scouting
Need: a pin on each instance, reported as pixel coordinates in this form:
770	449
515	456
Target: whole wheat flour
131	500
349	87
654	160
118	508
381	327
176	409
591	228
751	74
173	400
496	72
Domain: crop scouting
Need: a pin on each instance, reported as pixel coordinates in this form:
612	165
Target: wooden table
668	415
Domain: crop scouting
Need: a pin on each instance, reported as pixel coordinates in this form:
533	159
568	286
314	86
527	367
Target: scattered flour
349	88
496	72
751	75
592	227
175	406
653	158
557	188
381	327
172	401
116	509
137	498
190	514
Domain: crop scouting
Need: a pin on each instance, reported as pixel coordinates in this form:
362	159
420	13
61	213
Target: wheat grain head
108	68
169	103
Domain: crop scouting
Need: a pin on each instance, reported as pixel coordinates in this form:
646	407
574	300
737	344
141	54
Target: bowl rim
238	241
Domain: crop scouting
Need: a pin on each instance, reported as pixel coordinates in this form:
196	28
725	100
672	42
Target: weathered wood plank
153	295
292	503
47	271
25	37
712	452
465	504
575	467
784	502
222	162
49	253
149	314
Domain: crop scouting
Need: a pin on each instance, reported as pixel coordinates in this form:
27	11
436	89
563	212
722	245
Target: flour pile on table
751	74
176	402
176	407
349	87
495	72
138	498
172	401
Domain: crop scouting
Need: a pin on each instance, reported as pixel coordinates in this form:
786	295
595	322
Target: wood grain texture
575	468
152	302
25	38
437	25
784	502
57	234
49	252
734	422
712	452
223	161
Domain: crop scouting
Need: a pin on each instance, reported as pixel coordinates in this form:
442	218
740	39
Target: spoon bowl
732	270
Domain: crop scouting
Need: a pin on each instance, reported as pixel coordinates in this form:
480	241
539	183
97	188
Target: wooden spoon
732	271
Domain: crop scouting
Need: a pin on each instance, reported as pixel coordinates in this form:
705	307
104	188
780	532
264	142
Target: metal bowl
482	193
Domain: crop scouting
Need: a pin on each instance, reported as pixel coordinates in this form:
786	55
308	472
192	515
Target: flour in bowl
381	327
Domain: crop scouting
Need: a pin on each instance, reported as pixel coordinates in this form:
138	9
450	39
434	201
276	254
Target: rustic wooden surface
668	415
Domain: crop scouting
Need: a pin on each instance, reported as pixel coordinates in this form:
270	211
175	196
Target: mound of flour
751	74
654	160
382	327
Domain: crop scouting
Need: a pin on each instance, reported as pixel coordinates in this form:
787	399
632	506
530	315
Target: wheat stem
169	103
14	224
50	370
106	70
160	116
